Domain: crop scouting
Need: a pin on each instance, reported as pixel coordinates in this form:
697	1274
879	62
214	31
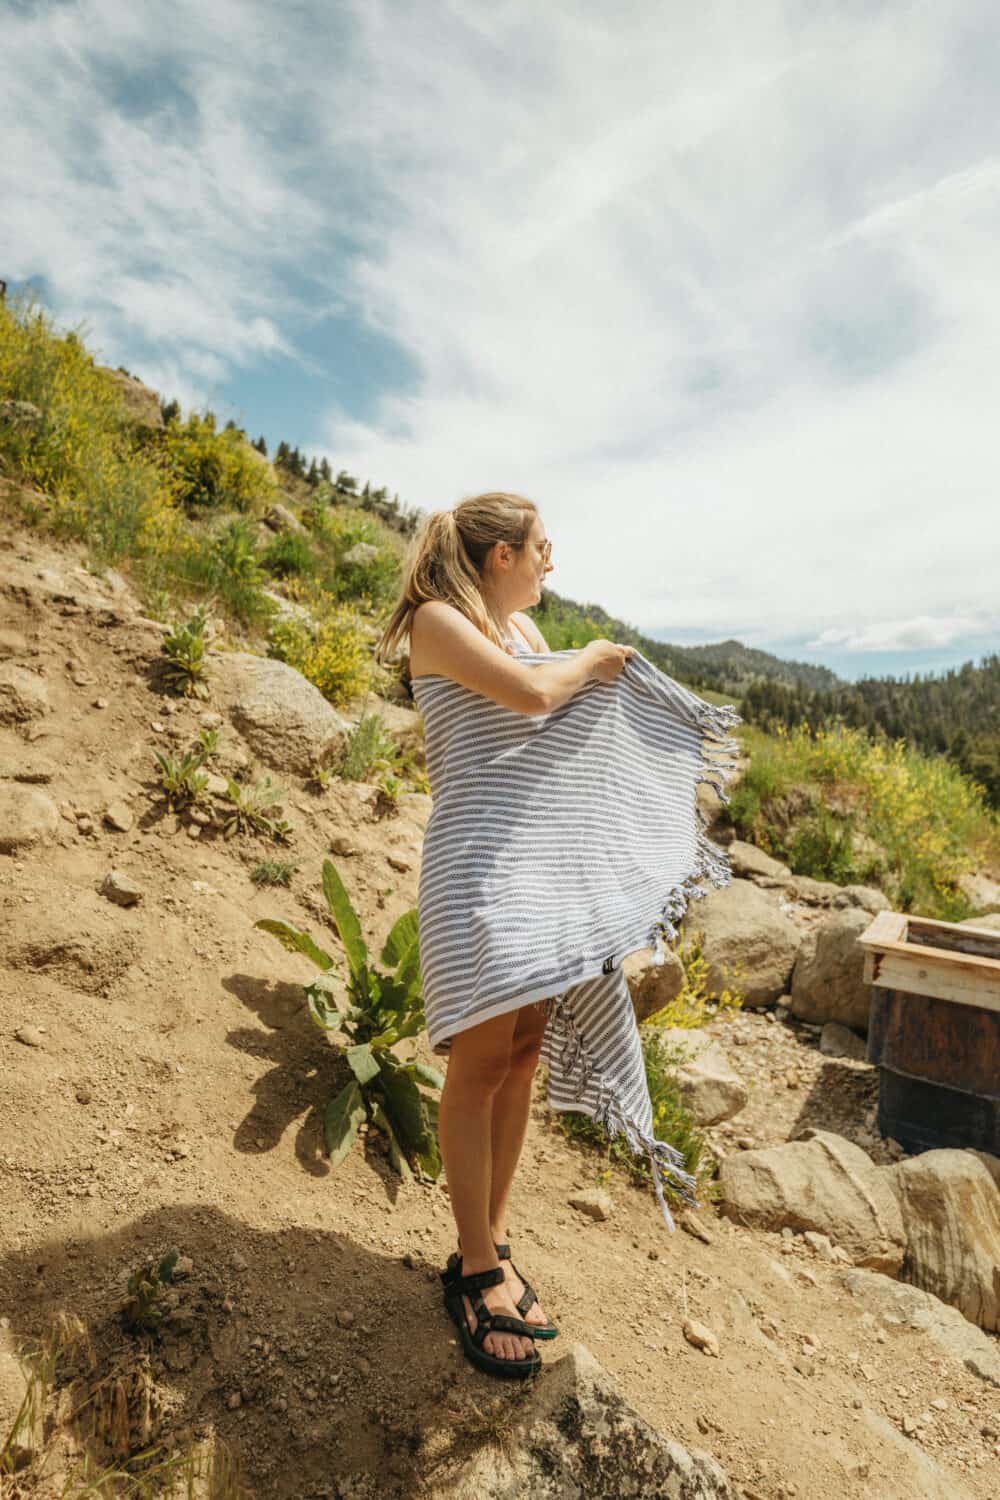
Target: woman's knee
479	1064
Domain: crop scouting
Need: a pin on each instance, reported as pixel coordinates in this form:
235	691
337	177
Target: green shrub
368	745
225	565
672	1122
184	648
289	554
101	482
811	797
143	1307
335	657
382	1010
249	803
216	470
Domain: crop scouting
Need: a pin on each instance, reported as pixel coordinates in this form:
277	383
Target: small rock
342	846
345	1318
239	1262
234	1400
840	1041
156	726
820	1243
183	1267
396	863
199	816
29	1035
595	1203
100	702
83	1095
695	1227
210	720
85	825
121	888
700	1336
217	786
27	816
118	817
194	830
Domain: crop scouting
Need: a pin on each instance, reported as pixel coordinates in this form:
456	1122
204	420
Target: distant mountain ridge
724	667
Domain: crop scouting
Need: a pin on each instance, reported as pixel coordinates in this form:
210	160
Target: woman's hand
605	660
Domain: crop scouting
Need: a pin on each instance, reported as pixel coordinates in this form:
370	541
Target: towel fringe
665	1161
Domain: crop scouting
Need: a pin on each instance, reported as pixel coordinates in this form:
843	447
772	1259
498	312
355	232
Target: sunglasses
546	549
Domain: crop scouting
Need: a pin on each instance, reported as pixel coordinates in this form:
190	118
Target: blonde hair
447	558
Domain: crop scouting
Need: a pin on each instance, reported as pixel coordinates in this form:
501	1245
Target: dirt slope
168	1095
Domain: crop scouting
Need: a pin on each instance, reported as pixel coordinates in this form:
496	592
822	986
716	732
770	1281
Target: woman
471	573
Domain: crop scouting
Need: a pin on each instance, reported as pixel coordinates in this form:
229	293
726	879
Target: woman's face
532	561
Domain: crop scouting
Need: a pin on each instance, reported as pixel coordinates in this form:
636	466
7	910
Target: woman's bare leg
511	1109
477	1070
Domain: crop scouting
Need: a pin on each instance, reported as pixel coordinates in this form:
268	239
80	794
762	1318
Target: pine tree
325	471
170	411
281	457
261	446
312	478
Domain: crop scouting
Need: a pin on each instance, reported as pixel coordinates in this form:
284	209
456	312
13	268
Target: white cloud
924	632
716	285
718	292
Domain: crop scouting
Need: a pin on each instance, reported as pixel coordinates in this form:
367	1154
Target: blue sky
716	285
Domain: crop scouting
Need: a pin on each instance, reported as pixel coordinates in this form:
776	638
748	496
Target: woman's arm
458	650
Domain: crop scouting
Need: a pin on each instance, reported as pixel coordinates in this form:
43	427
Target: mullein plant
382	1007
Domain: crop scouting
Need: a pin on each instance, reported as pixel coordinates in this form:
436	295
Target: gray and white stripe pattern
557	844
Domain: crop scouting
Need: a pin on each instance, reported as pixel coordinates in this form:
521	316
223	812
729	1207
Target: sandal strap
478	1280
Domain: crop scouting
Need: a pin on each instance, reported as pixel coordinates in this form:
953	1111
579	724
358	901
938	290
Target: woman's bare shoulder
434	626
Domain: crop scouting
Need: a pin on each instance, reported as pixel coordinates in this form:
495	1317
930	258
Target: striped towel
557	844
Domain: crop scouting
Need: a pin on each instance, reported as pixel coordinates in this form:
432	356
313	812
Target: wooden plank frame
960	964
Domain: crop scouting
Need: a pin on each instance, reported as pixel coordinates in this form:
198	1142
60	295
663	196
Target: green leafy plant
184	648
208	742
369	744
142	1308
386	801
672	1121
381	1010
249	814
182	780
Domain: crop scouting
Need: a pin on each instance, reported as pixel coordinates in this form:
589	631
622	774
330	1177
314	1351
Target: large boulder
990	921
748	862
279	518
828	981
284	719
825	1183
141	404
980	890
709	1087
28	816
575	1435
898	1303
748	942
23	694
950	1205
652	986
867	896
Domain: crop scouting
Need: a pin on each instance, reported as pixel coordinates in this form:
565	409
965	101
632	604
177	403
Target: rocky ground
162	1087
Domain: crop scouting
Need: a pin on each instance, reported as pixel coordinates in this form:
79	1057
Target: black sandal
456	1288
527	1299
